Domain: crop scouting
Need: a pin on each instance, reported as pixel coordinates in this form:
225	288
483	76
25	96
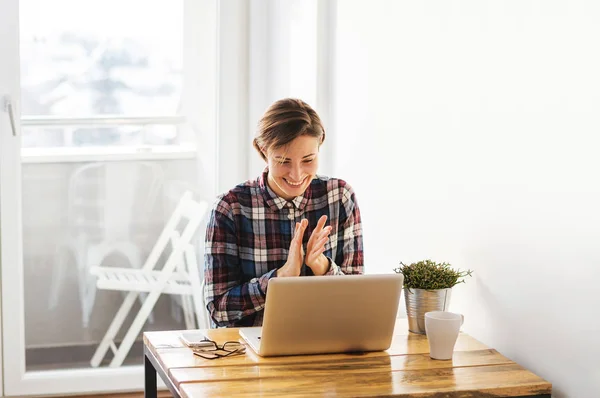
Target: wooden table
405	370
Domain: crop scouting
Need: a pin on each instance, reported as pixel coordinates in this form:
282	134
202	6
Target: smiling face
293	166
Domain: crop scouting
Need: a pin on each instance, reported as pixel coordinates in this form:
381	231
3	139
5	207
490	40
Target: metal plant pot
420	301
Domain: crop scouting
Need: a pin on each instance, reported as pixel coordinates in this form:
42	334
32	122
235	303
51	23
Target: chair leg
89	298
131	253
113	329
142	298
135	328
58	275
86	297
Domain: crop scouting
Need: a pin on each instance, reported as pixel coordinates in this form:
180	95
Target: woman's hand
315	259
293	265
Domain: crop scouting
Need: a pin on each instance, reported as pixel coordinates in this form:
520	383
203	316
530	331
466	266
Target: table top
404	370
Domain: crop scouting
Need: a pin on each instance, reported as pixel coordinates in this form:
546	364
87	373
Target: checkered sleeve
349	237
228	299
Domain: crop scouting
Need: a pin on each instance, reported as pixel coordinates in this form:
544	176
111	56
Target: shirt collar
276	202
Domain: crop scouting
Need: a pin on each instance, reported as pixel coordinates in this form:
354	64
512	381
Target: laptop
327	314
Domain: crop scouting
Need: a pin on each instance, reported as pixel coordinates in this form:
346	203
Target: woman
288	222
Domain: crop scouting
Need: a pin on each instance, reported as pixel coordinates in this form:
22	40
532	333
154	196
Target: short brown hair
284	121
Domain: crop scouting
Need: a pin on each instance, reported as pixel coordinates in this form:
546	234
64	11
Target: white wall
233	145
268	50
470	133
283	51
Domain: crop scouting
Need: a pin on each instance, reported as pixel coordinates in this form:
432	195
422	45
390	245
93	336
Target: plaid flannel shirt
248	238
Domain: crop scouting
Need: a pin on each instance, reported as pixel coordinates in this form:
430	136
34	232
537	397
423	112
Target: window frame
201	49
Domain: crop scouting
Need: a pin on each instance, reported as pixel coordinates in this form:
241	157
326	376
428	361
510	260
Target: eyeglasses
213	350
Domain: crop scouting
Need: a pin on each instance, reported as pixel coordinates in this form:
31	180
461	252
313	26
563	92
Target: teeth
294	184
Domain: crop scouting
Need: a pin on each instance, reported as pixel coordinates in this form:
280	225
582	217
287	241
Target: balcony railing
104	120
73	153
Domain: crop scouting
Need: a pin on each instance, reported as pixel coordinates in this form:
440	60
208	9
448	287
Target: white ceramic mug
442	329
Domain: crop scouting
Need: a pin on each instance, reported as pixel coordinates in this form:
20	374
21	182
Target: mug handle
462	319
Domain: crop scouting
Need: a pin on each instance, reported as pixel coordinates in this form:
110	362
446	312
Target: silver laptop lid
316	314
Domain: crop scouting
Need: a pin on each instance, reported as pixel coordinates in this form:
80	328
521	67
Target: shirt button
291	216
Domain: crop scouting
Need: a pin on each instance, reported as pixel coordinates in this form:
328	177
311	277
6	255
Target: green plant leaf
430	275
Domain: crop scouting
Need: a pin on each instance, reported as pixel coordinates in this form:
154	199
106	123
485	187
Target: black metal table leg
150	388
151	369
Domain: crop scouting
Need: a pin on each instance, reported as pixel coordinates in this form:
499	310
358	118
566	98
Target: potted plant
428	287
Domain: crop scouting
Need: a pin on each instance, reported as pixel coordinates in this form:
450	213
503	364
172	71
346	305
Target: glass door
9	206
100	135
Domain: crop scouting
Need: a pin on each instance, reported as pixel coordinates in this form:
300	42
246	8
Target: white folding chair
173	190
106	211
179	275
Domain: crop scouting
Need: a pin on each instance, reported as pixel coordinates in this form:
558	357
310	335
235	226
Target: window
100	74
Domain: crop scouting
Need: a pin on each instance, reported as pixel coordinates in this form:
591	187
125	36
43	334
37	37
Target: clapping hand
293	265
315	259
